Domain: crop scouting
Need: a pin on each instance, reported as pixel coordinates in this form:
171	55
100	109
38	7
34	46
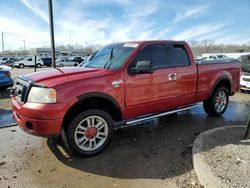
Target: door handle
172	76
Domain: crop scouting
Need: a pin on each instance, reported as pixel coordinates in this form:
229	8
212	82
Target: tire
76	64
21	66
38	65
217	104
60	65
90	132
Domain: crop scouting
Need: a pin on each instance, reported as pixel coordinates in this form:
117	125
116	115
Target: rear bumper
6	84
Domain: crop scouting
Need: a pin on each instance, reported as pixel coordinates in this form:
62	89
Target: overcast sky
105	21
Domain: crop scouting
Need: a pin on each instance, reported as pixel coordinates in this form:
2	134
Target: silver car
65	62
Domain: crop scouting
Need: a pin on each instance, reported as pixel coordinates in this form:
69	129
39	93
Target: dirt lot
155	154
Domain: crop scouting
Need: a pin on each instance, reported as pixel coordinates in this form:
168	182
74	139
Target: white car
29	62
245	81
65	62
245	74
215	57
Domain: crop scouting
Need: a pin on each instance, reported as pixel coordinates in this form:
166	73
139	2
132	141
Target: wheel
38	65
89	132
76	64
217	104
60	65
21	66
242	90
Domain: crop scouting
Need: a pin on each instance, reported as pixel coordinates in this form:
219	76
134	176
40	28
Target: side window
181	56
29	59
158	54
212	57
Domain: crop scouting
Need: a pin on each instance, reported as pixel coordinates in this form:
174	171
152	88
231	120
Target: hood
56	75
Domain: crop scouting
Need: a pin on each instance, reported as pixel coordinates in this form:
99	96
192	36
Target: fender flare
220	79
101	95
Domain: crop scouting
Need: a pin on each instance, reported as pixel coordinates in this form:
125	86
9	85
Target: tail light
8	74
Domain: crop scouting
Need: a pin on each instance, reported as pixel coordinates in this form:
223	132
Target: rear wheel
60	65
217	104
38	65
90	132
21	66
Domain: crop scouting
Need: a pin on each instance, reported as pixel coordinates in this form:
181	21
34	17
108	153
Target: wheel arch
96	100
222	81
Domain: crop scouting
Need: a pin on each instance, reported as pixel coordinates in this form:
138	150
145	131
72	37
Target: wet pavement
153	154
6	118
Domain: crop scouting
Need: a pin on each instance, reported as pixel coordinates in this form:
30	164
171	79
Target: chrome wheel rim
220	101
91	133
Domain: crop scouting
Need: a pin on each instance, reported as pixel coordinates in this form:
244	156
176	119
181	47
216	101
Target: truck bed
208	75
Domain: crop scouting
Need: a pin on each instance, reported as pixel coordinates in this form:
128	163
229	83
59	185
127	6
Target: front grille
246	79
22	89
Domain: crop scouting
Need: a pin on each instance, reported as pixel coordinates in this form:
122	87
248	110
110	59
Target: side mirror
142	67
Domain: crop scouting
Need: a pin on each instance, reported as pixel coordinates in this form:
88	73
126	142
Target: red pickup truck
121	84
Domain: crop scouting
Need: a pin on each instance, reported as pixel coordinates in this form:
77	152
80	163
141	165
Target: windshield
111	56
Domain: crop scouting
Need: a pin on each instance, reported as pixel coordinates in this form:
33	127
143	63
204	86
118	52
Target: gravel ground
228	156
156	154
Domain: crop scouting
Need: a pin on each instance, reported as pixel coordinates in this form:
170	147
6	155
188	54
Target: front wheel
90	132
217	104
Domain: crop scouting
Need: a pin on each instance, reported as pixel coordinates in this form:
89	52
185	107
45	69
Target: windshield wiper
108	63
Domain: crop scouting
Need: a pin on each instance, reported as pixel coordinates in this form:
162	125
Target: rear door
29	62
186	74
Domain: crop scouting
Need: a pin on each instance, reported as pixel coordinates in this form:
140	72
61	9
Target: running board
137	120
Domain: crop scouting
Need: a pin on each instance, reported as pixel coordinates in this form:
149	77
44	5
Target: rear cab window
180	56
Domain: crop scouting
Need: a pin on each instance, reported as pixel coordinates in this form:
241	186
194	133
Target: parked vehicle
5	78
86	59
245	74
122	84
77	59
8	60
65	62
215	57
29	62
47	61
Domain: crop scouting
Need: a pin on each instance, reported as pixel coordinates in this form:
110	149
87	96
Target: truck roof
154	41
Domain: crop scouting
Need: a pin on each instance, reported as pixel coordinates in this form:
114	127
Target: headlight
42	95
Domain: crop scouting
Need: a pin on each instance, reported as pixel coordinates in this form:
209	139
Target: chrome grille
21	90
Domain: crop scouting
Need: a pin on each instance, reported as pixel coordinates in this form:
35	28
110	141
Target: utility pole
24	48
70	39
246	134
2	43
52	33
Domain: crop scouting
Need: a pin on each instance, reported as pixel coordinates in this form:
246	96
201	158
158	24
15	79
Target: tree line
210	46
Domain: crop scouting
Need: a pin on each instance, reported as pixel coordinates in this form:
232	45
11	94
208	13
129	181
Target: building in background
16	53
44	52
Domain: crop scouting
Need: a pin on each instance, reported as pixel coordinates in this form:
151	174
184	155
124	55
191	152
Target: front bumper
41	120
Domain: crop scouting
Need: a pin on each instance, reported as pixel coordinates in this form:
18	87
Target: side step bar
149	117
